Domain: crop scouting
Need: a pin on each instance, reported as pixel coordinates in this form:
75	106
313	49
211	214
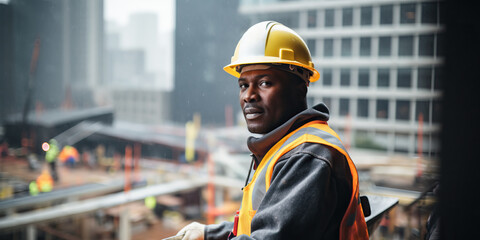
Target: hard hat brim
231	68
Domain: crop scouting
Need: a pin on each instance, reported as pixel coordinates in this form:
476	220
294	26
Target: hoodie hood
260	146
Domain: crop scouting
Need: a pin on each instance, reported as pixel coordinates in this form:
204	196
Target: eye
242	86
265	84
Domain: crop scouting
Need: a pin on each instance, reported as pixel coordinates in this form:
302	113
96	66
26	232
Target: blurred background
148	130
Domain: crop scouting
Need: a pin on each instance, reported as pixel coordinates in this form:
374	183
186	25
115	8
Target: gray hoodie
309	192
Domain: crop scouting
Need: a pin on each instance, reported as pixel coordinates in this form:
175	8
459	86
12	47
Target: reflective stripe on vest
353	224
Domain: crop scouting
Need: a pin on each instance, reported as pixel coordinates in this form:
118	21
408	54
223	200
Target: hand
193	231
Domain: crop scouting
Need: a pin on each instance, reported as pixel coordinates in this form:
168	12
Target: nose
250	95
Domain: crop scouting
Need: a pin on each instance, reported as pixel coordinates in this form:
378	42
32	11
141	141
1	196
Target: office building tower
380	62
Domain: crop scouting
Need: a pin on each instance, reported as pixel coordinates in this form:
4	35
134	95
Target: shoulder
318	158
314	151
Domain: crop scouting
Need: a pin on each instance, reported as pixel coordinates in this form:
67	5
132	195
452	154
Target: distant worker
51	156
45	182
305	185
150	202
33	188
69	155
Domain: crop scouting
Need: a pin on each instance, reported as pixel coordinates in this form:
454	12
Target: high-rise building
141	33
380	64
137	85
6	63
203	46
67	39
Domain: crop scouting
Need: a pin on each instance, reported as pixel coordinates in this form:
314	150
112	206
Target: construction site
92	151
135	182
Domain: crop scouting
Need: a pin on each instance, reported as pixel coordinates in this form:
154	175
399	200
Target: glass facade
404	78
365	46
429	13
386	14
312	19
385	46
326	76
424	78
329	17
382	109
312	46
347	16
405	46
407	13
362	107
363	77
344	108
346	47
345	77
383	77
426	45
402	110
328	47
366	15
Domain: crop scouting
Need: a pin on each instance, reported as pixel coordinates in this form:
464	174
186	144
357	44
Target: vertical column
31	232
124	231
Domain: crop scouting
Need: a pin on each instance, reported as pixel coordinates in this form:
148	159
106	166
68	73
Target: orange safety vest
353	224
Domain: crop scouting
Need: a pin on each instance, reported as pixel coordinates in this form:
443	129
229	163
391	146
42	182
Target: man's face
269	98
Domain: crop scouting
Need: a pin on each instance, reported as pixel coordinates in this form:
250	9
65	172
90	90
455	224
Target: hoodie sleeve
218	231
301	202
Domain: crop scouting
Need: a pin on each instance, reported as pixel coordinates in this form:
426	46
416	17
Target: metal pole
124	232
31	232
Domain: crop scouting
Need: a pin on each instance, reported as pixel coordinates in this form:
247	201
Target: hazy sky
119	10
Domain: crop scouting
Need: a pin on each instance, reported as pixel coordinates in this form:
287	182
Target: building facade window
405	46
426	45
365	46
363	77
423	107
404	78
362	107
345	77
366	16
312	19
329	17
347	17
385	46
385	86
346	47
429	13
312	46
402	110
383	77
382	109
327	77
407	13
424	78
344	107
328	47
386	14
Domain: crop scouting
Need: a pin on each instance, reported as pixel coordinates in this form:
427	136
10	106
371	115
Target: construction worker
305	185
45	182
33	188
51	156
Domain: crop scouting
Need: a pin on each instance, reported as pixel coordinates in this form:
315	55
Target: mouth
252	113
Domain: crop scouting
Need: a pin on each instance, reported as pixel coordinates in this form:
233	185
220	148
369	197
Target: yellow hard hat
270	42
